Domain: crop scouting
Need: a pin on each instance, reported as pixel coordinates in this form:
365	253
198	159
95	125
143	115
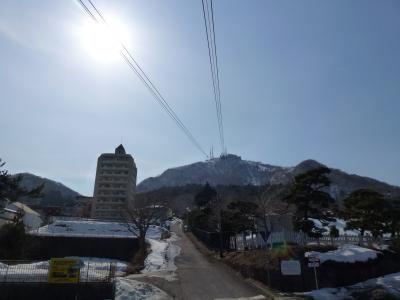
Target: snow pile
34	272
92	268
129	289
346	253
92	228
174	221
156	259
103	264
340	224
162	255
328	294
390	283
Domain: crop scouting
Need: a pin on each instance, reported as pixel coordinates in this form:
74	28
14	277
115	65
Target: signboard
313	264
64	270
290	267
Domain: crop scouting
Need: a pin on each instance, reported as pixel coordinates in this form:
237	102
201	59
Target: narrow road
198	278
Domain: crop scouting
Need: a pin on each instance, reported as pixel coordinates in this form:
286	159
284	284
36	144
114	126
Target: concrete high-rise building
115	184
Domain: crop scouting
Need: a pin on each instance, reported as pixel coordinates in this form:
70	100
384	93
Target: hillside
232	170
54	193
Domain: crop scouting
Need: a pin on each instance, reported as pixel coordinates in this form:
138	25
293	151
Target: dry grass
259	258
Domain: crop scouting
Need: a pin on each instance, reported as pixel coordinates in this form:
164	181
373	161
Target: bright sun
103	41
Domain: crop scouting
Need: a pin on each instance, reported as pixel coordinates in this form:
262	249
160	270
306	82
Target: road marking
259	297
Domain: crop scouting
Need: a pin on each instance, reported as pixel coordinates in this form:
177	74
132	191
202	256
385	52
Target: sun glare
102	41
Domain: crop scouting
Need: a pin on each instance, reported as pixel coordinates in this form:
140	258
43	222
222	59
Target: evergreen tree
205	197
392	216
364	210
208	214
240	216
310	200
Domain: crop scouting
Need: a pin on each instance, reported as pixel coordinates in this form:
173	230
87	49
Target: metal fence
32	272
249	240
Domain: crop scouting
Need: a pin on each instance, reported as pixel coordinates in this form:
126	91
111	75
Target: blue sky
299	80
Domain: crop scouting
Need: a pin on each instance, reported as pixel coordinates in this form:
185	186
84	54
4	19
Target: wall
45	291
117	248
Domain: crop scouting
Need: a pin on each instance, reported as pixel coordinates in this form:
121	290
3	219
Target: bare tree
138	217
269	204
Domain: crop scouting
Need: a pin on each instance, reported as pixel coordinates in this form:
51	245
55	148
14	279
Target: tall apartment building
115	184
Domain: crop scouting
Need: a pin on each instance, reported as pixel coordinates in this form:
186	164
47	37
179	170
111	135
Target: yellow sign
64	270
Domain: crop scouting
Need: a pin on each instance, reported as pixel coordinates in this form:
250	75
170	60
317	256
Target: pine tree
364	210
392	216
310	200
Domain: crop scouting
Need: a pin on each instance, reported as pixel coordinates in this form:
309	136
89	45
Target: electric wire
135	67
208	15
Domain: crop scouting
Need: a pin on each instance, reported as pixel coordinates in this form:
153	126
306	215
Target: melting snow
160	261
340	225
92	228
345	253
390	283
129	289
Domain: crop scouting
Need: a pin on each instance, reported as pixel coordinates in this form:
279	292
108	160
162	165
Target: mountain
54	193
232	170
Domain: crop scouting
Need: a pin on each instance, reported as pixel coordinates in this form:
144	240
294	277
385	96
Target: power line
135	67
217	70
208	14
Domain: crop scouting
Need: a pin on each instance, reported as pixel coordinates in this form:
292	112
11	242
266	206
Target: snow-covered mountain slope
232	170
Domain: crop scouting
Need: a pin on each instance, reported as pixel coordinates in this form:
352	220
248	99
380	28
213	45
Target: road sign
64	270
313	264
290	267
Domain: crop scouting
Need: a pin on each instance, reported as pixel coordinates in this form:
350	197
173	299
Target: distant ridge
232	170
54	193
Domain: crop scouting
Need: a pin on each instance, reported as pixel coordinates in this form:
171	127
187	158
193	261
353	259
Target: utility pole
219	204
187	218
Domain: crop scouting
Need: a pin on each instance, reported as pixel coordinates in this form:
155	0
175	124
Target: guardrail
38	271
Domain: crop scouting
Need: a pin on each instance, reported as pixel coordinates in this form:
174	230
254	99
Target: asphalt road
198	277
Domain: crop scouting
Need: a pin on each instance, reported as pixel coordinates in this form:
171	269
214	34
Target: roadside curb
267	292
271	294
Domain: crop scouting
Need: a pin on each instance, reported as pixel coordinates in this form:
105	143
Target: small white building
13	210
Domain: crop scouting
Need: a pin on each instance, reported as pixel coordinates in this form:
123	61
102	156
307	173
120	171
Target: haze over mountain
232	170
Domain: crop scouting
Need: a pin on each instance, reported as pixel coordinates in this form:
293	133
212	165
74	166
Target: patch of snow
129	289
100	264
160	261
340	225
92	228
162	255
345	253
92	268
34	272
328	294
390	283
156	259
